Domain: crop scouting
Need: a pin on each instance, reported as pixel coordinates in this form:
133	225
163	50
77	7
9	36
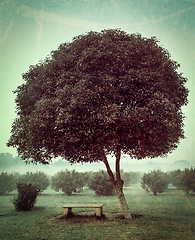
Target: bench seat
98	208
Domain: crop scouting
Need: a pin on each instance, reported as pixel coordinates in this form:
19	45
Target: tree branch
109	170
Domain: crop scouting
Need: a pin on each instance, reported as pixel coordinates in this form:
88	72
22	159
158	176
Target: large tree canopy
99	92
106	92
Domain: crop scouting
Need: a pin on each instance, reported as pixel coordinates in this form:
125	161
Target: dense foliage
40	179
100	91
68	181
175	178
100	183
7	182
184	180
27	195
155	181
188	180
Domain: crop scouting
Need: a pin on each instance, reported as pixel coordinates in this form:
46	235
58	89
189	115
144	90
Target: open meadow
170	215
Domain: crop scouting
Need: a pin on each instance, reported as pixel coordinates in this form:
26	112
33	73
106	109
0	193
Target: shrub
68	181
155	181
27	194
40	179
7	183
100	183
176	179
188	180
184	180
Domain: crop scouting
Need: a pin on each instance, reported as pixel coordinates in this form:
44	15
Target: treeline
9	181
158	181
7	160
66	181
70	182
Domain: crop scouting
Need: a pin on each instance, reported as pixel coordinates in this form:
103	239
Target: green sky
30	30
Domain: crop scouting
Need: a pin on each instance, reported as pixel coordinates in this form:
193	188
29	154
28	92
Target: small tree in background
100	183
85	176
183	180
175	178
68	182
40	179
130	178
155	181
7	183
126	178
27	194
188	180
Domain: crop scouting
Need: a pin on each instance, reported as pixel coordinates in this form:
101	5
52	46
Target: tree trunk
123	202
118	183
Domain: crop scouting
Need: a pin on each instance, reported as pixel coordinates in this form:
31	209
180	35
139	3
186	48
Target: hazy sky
30	30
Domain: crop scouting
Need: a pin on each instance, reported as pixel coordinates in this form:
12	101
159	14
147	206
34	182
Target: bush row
72	182
9	181
158	181
66	181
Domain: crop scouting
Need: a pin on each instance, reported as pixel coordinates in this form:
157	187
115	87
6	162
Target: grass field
170	215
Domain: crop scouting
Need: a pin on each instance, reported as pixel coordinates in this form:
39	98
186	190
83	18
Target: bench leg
67	211
99	211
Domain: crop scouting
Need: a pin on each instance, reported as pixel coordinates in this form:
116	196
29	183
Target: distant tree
85	176
68	182
7	160
188	180
27	195
126	178
136	177
130	178
100	183
7	183
176	178
39	179
104	93
155	181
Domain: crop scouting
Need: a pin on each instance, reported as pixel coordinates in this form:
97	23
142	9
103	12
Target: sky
30	30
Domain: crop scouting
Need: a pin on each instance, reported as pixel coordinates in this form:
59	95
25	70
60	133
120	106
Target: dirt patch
86	217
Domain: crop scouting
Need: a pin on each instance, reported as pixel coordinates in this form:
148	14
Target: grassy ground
170	215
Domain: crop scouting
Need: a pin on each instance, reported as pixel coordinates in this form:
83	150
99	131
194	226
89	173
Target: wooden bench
98	208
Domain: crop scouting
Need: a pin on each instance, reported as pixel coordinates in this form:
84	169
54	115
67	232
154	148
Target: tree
104	93
155	181
183	180
68	181
27	195
39	179
176	178
188	180
7	161
7	183
100	183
